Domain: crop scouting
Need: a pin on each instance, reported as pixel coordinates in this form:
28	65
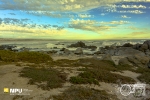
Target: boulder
66	51
123	51
97	52
63	49
143	47
137	46
128	45
124	61
136	60
78	51
148	65
106	57
78	44
93	48
148	43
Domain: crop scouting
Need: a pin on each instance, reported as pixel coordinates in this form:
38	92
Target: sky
75	19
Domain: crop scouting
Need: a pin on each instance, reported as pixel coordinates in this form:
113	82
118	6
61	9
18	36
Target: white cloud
85	16
61	5
132	11
125	16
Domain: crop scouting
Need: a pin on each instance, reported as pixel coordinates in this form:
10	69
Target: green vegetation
26	56
100	71
81	93
44	78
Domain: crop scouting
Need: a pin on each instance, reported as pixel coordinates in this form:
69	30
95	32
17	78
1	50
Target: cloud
85	16
115	22
138	33
27	23
132	11
60	5
5	28
88	25
125	16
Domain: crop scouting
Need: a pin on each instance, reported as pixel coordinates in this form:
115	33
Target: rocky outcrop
143	47
128	45
78	51
66	51
135	60
106	57
6	47
122	51
82	45
78	44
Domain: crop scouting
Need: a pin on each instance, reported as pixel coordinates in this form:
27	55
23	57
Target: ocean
48	45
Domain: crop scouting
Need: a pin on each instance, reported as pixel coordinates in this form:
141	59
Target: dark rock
143	47
52	52
62	49
128	45
97	52
137	46
78	44
93	48
6	47
78	51
82	45
148	43
148	65
54	47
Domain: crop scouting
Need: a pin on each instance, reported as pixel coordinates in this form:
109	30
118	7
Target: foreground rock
82	45
78	51
143	47
122	51
136	60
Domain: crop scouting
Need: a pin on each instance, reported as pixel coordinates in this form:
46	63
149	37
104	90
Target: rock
78	51
137	46
128	45
148	43
148	65
52	52
78	44
136	60
97	52
106	57
147	52
143	47
54	47
122	51
6	47
66	51
82	45
93	48
124	61
63	49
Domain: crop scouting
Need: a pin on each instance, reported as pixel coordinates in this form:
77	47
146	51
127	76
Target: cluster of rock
136	55
82	45
136	60
78	51
145	47
6	47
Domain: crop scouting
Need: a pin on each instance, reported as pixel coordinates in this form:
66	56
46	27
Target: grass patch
25	56
99	70
81	93
44	78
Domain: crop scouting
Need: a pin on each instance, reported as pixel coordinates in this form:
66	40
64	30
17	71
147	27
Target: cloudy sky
75	19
